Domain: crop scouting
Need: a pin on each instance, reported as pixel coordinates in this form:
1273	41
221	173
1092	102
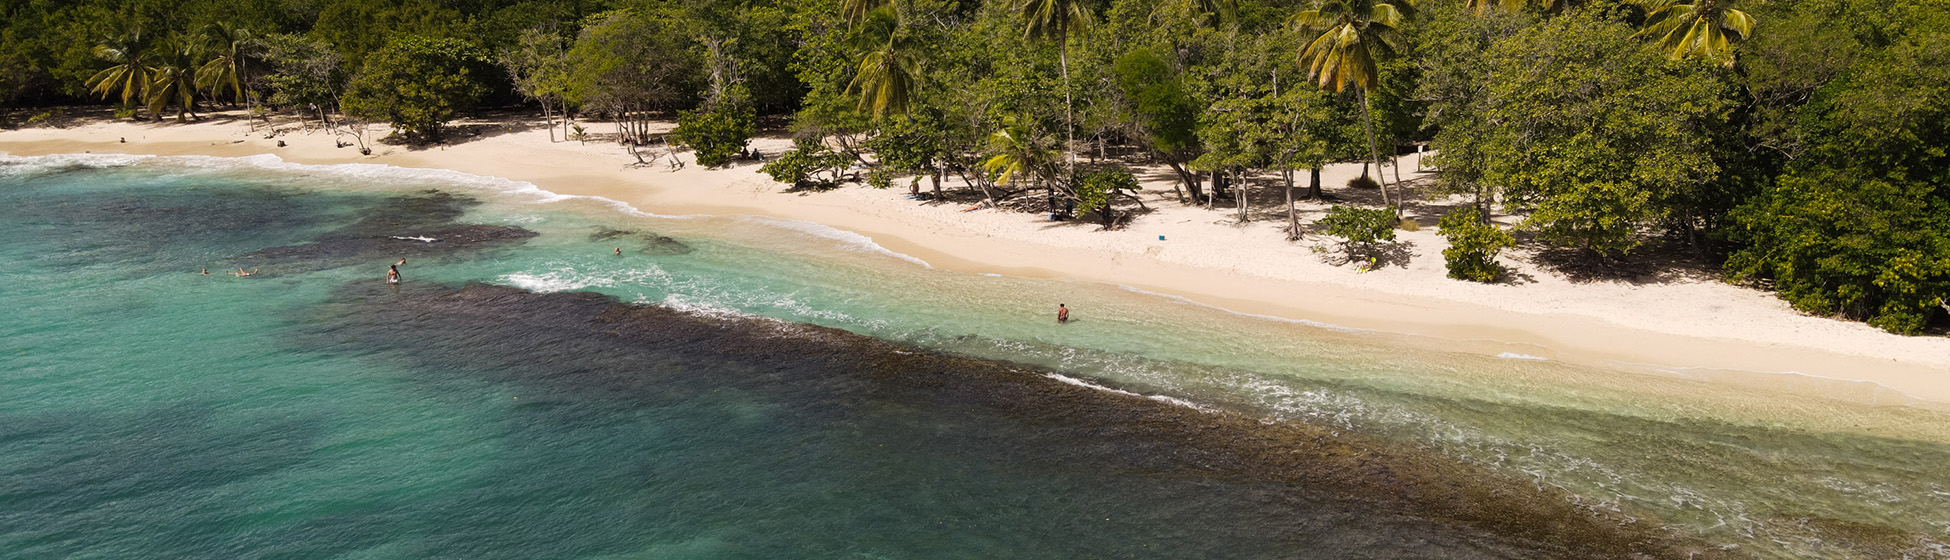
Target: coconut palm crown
1702	28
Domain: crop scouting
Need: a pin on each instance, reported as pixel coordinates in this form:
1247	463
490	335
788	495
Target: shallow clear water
313	411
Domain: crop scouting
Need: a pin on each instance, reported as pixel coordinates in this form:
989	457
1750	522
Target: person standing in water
619	251
1062	313
392	274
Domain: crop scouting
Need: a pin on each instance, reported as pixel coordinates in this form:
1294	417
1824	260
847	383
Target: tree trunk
548	120
1189	177
1313	184
1292	217
1239	195
1367	121
1069	116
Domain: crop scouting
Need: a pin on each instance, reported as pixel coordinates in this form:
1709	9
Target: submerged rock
653	244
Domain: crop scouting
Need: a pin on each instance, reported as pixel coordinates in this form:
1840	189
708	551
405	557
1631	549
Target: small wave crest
848	239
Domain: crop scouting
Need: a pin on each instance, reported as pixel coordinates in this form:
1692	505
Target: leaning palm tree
1351	34
131	72
228	71
889	72
1704	28
1015	153
175	80
1057	20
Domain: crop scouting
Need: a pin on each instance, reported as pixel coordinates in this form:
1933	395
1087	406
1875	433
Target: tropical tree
539	68
418	84
888	76
1350	35
1015	151
1703	28
1057	20
132	71
174	82
228	71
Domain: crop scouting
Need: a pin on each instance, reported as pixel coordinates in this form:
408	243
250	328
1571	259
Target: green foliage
1158	102
1365	232
1860	225
1097	190
1592	132
418	84
803	165
1360	225
1473	246
627	61
908	144
717	136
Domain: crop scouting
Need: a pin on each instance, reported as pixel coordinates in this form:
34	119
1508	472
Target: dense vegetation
1801	143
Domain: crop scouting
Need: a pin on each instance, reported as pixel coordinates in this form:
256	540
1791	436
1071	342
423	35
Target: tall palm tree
1705	28
1057	20
131	72
889	72
228	71
175	79
1352	33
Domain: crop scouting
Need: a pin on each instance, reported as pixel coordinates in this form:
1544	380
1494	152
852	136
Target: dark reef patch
586	348
414	226
653	244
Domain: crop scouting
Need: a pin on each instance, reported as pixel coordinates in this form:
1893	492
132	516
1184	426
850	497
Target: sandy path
1204	256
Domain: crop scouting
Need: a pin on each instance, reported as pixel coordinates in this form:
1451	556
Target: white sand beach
1680	324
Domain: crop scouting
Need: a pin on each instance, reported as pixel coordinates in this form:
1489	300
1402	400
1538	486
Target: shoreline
1683	327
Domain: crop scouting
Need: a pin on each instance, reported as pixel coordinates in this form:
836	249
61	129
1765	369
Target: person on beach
392	274
1062	313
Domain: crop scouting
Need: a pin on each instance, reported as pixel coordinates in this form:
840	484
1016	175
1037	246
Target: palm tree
1352	34
175	80
1016	153
856	10
131	73
1705	28
1057	19
889	73
229	70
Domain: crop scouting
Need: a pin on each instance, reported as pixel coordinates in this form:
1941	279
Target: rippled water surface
734	387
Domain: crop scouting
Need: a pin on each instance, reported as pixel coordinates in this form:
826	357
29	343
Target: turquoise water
695	411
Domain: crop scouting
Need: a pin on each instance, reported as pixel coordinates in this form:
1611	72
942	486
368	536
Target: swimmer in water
392	274
240	272
206	272
402	262
1062	313
619	251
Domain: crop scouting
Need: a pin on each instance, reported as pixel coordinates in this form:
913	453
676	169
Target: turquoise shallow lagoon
734	387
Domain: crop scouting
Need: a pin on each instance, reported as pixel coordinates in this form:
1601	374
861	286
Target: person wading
1062	313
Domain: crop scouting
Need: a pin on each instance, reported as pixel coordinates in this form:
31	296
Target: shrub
802	165
1097	189
1362	182
1473	246
1368	232
717	136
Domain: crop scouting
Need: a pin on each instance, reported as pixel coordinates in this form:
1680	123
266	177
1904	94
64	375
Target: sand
1687	326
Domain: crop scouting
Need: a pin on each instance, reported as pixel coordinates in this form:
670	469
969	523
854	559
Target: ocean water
735	387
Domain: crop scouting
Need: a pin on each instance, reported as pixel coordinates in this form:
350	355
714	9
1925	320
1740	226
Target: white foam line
1516	356
1160	398
1310	323
1681	370
850	239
